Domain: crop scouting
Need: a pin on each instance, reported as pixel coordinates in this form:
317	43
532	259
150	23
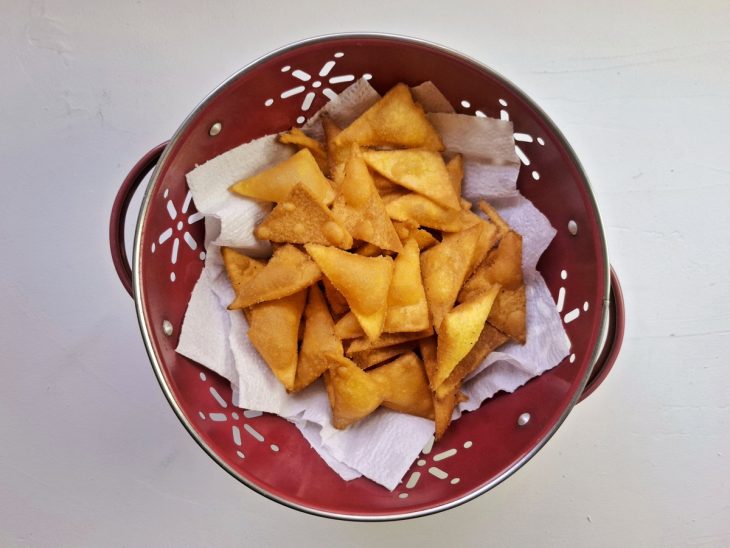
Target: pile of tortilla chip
383	281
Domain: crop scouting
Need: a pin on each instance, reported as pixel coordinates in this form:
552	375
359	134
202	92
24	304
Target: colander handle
119	214
614	338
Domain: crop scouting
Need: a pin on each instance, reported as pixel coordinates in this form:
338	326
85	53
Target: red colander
267	453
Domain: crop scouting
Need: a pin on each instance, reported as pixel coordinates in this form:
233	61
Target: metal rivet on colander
523	419
215	129
167	328
572	227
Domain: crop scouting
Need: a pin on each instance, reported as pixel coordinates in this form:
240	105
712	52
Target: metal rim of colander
156	363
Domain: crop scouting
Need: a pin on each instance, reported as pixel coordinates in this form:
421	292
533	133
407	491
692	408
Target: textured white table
90	452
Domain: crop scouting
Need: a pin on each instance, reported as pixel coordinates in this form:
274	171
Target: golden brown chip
443	409
374	356
404	386
455	167
386	339
419	210
337	155
369	250
241	268
394	121
338	303
385	185
288	271
502	226
363	281
275	184
459	333
318	339
348	327
353	394
427	347
273	332
421	171
407	230
487	239
509	313
444	268
360	207
407	307
502	265
302	219
489	339
297	137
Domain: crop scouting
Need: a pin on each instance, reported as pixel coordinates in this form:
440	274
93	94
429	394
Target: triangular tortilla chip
443	410
360	207
404	386
444	268
353	394
407	306
319	339
288	271
459	333
374	356
455	167
489	211
427	347
385	185
407	230
422	211
297	137
337	302
487	239
302	219
273	331
275	184
509	313
348	327
386	339
363	281
421	171
241	269
502	265
337	154
394	121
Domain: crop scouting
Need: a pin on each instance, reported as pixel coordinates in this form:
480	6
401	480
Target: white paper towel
384	445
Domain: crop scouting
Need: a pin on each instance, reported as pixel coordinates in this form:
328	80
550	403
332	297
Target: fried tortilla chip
503	266
348	327
394	121
489	211
297	137
338	303
386	339
363	281
455	167
404	386
319	339
407	306
241	268
509	313
374	356
427	347
360	207
422	211
407	230
421	171
444	268
275	184
353	393
288	271
337	154
443	409
459	333
487	239
302	219
273	331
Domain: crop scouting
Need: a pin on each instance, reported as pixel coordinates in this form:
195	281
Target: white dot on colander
201	414
585	306
572	358
202	376
503	102
240	455
403	496
269	102
541	141
454	481
300	119
316	84
465	103
167	327
202	255
287	68
153	247
164	194
467	444
179	225
339	54
421	462
536	175
564	274
367	76
234	416
572	227
274	447
172	276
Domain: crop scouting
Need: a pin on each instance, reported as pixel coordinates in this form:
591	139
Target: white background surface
90	452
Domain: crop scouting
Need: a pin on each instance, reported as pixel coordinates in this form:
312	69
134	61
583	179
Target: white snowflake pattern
424	467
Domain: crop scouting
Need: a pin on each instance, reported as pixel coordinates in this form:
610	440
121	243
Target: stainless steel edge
154	359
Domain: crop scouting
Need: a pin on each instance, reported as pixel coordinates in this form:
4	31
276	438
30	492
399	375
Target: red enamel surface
295	473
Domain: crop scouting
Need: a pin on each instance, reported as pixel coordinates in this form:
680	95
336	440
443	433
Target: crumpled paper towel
384	445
